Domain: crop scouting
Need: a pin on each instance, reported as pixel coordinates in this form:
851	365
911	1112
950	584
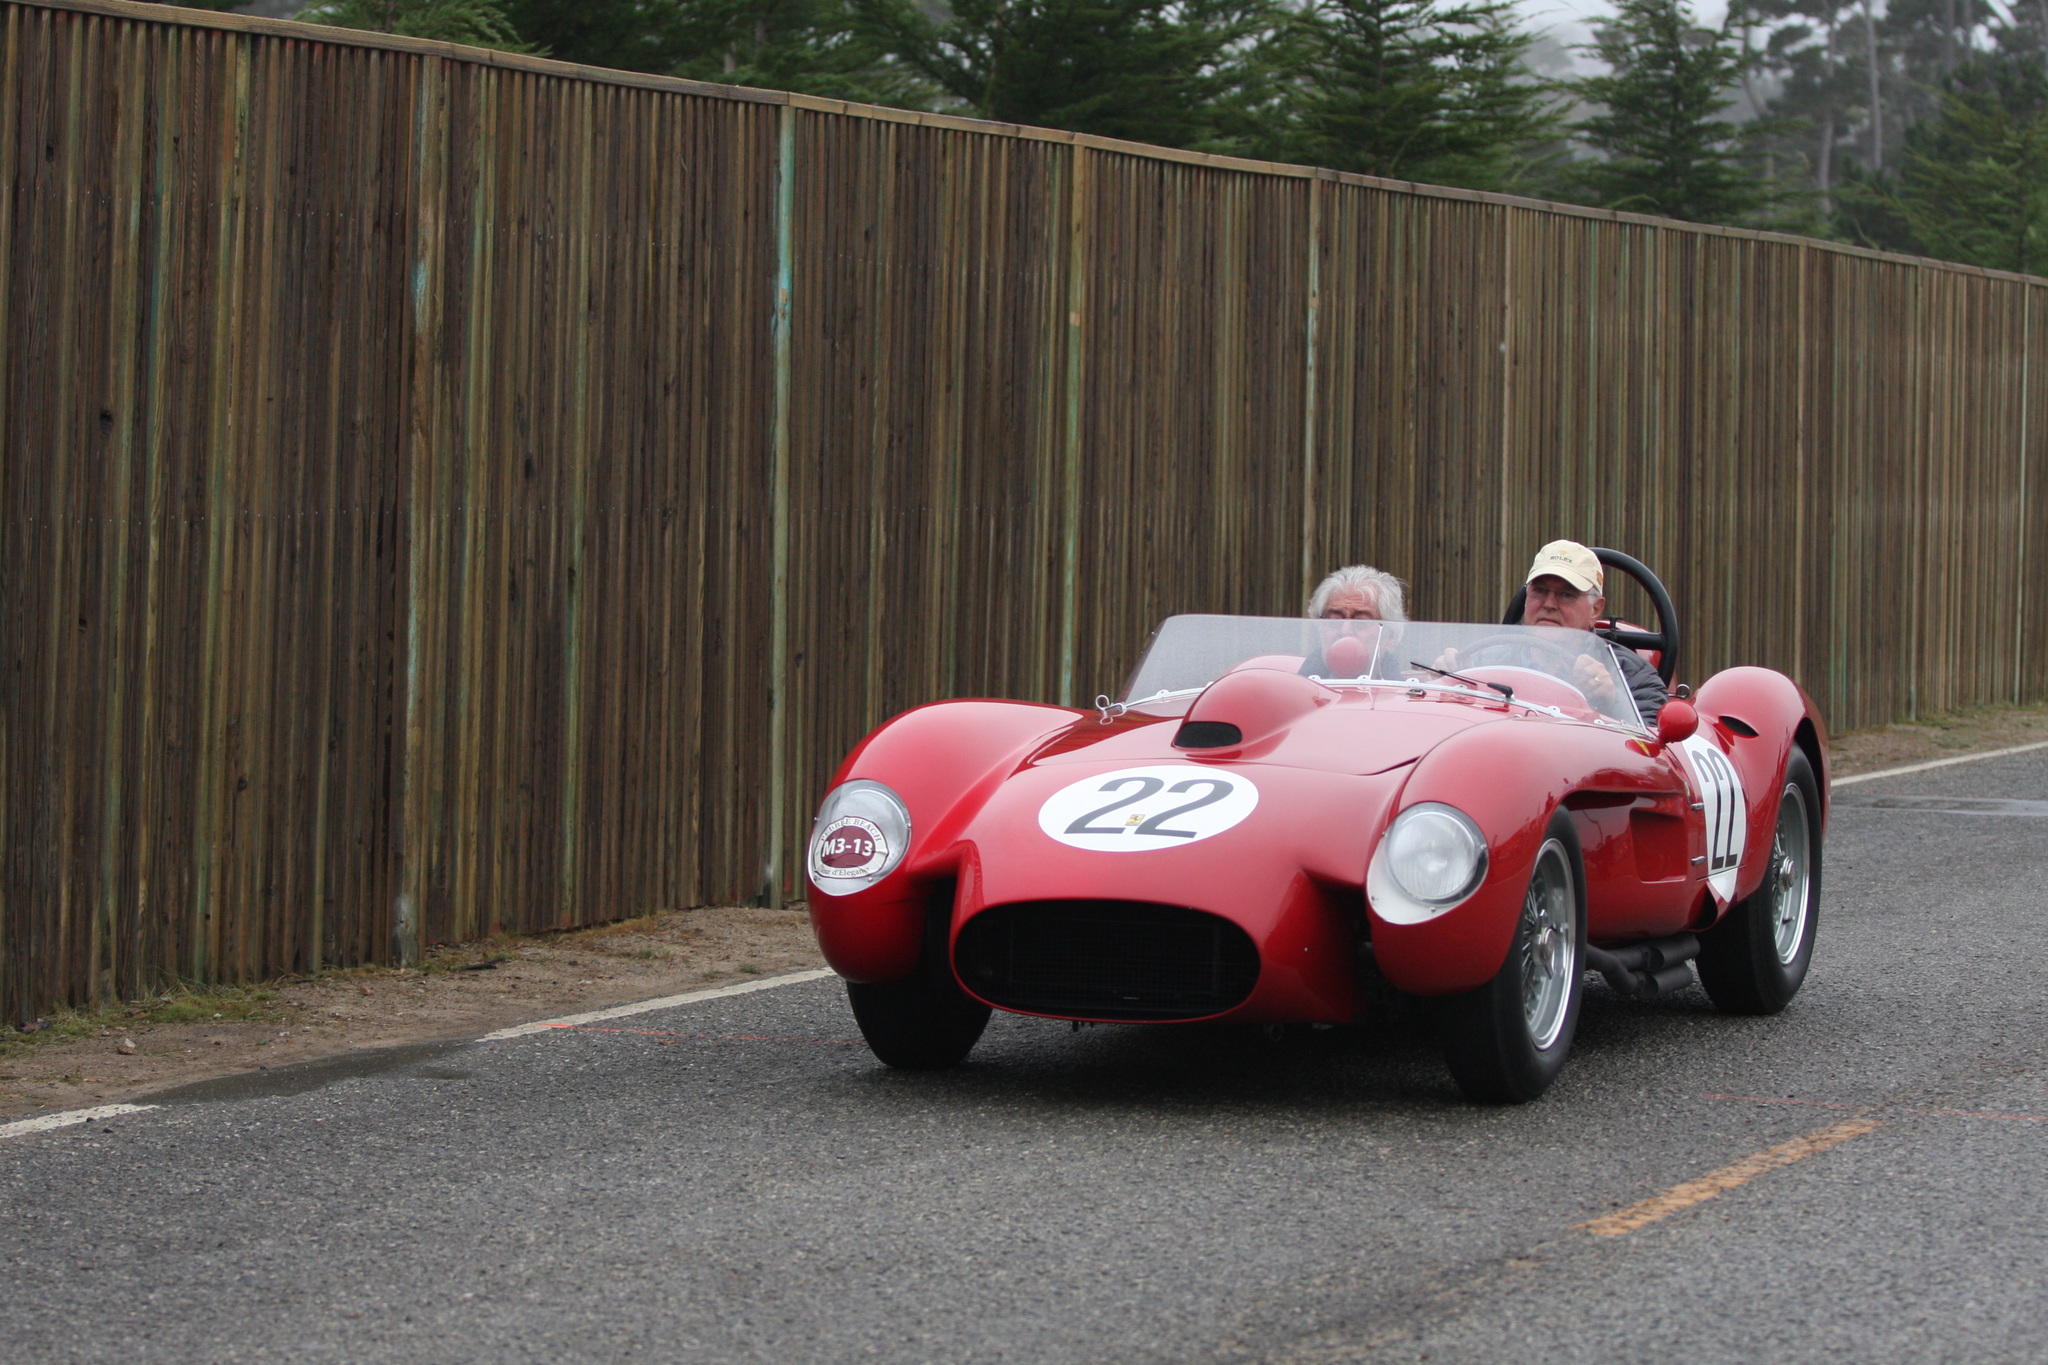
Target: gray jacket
1643	682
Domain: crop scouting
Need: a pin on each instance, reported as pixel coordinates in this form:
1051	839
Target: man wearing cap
1566	587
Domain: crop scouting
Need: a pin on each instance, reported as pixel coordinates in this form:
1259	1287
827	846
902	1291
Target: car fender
1463	948
943	759
1754	716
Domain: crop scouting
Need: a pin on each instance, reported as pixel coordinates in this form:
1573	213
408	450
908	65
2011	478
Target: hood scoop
1207	734
1247	706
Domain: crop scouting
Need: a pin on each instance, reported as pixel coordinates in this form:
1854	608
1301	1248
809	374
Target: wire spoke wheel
1548	944
1754	959
1790	882
1507	1040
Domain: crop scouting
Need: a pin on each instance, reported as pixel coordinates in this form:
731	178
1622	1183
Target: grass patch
176	1005
639	924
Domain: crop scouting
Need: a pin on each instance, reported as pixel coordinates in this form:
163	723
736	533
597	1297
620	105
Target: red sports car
1295	821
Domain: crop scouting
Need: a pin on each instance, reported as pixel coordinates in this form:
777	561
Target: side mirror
1677	722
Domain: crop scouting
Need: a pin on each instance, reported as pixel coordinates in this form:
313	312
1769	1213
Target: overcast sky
1570	21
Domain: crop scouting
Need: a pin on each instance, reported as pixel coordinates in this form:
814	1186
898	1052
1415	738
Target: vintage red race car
1289	821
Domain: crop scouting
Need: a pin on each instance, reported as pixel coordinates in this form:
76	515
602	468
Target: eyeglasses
1562	596
1344	614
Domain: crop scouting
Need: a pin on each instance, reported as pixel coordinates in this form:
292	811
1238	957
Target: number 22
1155	825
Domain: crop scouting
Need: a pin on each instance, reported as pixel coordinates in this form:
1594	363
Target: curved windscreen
1567	670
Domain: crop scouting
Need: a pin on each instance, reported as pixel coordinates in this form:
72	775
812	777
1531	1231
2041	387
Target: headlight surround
861	834
1431	859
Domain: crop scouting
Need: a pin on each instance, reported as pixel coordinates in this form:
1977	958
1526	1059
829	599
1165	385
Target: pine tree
1973	184
1173	72
625	35
1664	147
1418	91
816	47
478	23
1819	94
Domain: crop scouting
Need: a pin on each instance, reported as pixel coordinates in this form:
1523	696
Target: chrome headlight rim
1393	896
864	826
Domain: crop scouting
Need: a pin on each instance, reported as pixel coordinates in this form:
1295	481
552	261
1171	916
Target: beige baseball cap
1572	562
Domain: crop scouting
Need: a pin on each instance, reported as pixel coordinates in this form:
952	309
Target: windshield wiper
1502	688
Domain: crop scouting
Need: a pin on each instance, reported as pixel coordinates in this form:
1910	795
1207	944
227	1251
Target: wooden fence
444	491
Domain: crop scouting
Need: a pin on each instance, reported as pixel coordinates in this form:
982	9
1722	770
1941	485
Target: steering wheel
1664	639
1526	646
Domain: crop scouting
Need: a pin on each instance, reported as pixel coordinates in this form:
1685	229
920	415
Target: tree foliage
1974	183
1416	90
626	35
816	47
1172	72
1663	146
479	23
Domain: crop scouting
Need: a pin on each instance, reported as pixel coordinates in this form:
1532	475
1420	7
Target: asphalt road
738	1181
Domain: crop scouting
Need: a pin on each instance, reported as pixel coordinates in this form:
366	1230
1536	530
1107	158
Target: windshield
1569	671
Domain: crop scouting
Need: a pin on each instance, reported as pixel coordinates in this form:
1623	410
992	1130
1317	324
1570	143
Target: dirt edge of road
1977	730
123	1053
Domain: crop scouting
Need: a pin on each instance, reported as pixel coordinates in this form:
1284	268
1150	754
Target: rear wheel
1754	960
918	1024
1506	1041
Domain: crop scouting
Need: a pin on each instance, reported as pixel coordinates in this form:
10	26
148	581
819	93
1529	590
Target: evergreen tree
1173	72
1866	210
625	35
479	23
816	47
1418	91
1664	147
1819	93
1973	186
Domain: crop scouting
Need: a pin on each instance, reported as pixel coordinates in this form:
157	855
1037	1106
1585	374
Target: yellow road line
1727	1178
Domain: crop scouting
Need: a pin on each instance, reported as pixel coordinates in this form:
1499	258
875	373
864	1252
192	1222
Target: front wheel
1506	1041
1754	960
915	1024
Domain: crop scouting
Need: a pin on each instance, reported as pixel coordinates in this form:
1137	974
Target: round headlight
1432	858
862	833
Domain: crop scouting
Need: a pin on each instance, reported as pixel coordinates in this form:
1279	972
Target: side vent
1207	734
1740	727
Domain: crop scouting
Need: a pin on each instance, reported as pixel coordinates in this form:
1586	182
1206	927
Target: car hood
1317	770
1282	722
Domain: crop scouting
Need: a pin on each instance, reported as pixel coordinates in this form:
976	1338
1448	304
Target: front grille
1106	959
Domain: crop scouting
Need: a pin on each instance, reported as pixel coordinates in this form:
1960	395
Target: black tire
1507	1041
917	1024
1755	959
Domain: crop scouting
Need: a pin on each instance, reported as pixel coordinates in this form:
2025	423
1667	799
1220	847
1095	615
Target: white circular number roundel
1137	810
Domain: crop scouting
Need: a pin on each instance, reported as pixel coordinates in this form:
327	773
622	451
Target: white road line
665	1002
44	1123
1936	763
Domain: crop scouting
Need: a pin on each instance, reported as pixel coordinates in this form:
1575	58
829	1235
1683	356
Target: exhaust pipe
1647	970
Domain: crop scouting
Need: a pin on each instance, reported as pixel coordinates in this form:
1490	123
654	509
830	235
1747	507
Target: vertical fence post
579	450
415	511
1077	304
1309	394
203	958
1802	600
1503	556
127	275
778	493
2019	606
